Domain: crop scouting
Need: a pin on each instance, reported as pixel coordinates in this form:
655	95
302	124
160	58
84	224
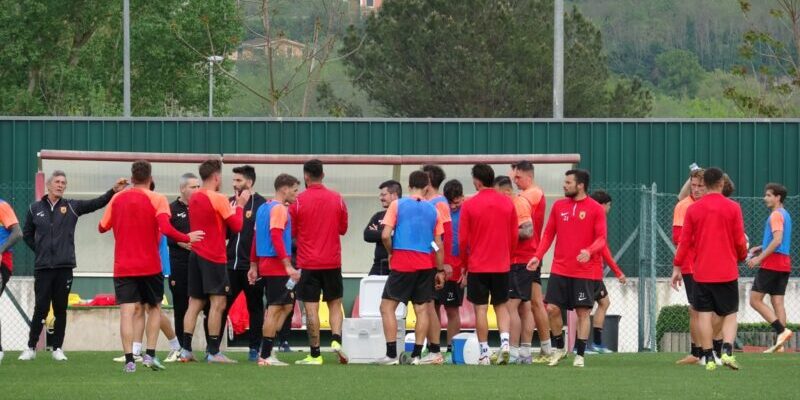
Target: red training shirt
210	212
714	230
487	232
580	225
319	217
138	217
530	205
678	216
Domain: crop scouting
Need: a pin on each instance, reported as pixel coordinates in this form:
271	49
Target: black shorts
481	286
720	298
313	282
691	288
451	295
771	282
207	278
5	275
569	293
277	293
520	282
139	289
600	291
418	287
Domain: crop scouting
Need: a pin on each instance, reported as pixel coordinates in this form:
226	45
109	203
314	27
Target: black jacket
178	256
374	236
50	229
239	243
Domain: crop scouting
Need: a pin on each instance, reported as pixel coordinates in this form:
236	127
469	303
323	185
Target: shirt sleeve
342	217
444	211
221	205
523	208
776	221
276	234
439	229
549	234
390	218
741	239
7	216
463	235
686	243
160	204
599	231
679	214
676	234
106	222
609	259
293	212
167	229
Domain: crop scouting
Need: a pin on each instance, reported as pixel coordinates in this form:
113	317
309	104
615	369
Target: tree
479	58
772	61
679	73
65	57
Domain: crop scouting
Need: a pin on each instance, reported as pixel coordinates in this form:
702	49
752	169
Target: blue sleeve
163	251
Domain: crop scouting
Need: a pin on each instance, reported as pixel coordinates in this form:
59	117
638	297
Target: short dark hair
727	186
712	176
140	171
453	190
392	186
436	173
483	173
777	190
284	180
313	168
601	196
581	176
502	180
247	171
209	168
523	165
418	180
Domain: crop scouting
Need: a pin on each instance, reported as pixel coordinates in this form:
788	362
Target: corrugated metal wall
634	151
619	151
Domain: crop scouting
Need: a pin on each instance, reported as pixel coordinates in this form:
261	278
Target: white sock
504	337
525	350
514	351
547	347
137	348
484	348
174	344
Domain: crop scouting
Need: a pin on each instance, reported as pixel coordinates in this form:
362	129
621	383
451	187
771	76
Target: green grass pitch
92	375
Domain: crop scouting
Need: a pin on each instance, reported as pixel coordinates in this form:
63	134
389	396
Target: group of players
431	245
708	229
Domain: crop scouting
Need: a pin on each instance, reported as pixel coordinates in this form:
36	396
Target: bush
672	319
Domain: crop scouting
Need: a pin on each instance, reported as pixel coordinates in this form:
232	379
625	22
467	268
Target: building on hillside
255	48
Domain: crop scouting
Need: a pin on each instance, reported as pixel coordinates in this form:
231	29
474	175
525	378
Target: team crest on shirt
582	215
291	295
248	214
63	209
227	289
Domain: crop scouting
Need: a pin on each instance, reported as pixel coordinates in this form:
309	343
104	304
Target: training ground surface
92	375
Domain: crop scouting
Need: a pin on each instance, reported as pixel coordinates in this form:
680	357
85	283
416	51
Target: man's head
312	171
503	185
435	173
698	186
188	185
418	180
714	180
774	195
602	197
454	193
211	173
727	186
141	173
482	176
244	178
522	174
391	190
286	186
57	184
576	182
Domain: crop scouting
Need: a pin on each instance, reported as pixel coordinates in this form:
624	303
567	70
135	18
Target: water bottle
693	167
290	283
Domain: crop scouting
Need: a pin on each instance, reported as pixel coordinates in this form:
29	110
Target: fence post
643	254
652	281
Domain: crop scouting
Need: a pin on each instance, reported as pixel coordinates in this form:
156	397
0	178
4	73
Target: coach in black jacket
50	232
